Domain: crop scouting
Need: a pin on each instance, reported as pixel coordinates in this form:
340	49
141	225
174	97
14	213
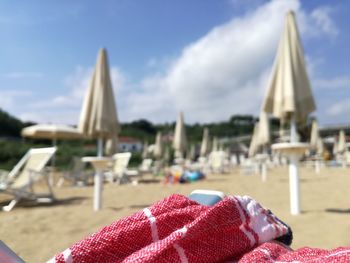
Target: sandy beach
38	232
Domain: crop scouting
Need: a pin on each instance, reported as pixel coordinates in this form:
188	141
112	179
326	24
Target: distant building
128	144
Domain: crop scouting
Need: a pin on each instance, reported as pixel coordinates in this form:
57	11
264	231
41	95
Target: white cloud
339	108
322	18
341	82
77	84
9	98
22	75
66	108
64	116
223	73
226	71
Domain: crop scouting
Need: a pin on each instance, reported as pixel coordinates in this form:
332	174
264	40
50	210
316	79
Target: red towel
177	229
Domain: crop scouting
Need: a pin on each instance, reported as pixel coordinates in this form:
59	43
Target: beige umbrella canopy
253	147
215	144
180	139
320	146
335	147
289	95
191	153
264	130
314	137
98	118
205	143
341	142
261	134
51	131
158	147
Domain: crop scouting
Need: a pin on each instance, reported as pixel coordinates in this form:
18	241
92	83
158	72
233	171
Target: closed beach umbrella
289	95
192	152
263	137
335	147
180	140
261	134
158	147
205	143
253	147
341	142
98	118
320	146
215	145
314	137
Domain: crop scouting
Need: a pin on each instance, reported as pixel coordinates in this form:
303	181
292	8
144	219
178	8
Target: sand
38	232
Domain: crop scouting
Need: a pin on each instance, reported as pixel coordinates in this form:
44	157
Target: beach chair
20	181
158	167
249	167
120	172
146	166
76	175
217	162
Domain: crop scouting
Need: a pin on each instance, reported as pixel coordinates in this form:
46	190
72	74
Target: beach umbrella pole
294	185
98	179
294	172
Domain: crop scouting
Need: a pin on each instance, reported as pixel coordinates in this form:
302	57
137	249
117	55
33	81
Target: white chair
146	166
120	172
19	182
249	167
76	175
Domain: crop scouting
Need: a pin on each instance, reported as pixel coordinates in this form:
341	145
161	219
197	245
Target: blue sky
211	59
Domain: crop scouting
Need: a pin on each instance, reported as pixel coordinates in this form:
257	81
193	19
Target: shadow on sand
139	207
338	210
56	202
149	181
215	179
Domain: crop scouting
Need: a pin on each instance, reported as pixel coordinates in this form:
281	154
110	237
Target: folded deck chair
76	175
146	165
19	182
120	172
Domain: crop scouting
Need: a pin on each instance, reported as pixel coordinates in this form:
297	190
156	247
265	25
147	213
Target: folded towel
177	229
